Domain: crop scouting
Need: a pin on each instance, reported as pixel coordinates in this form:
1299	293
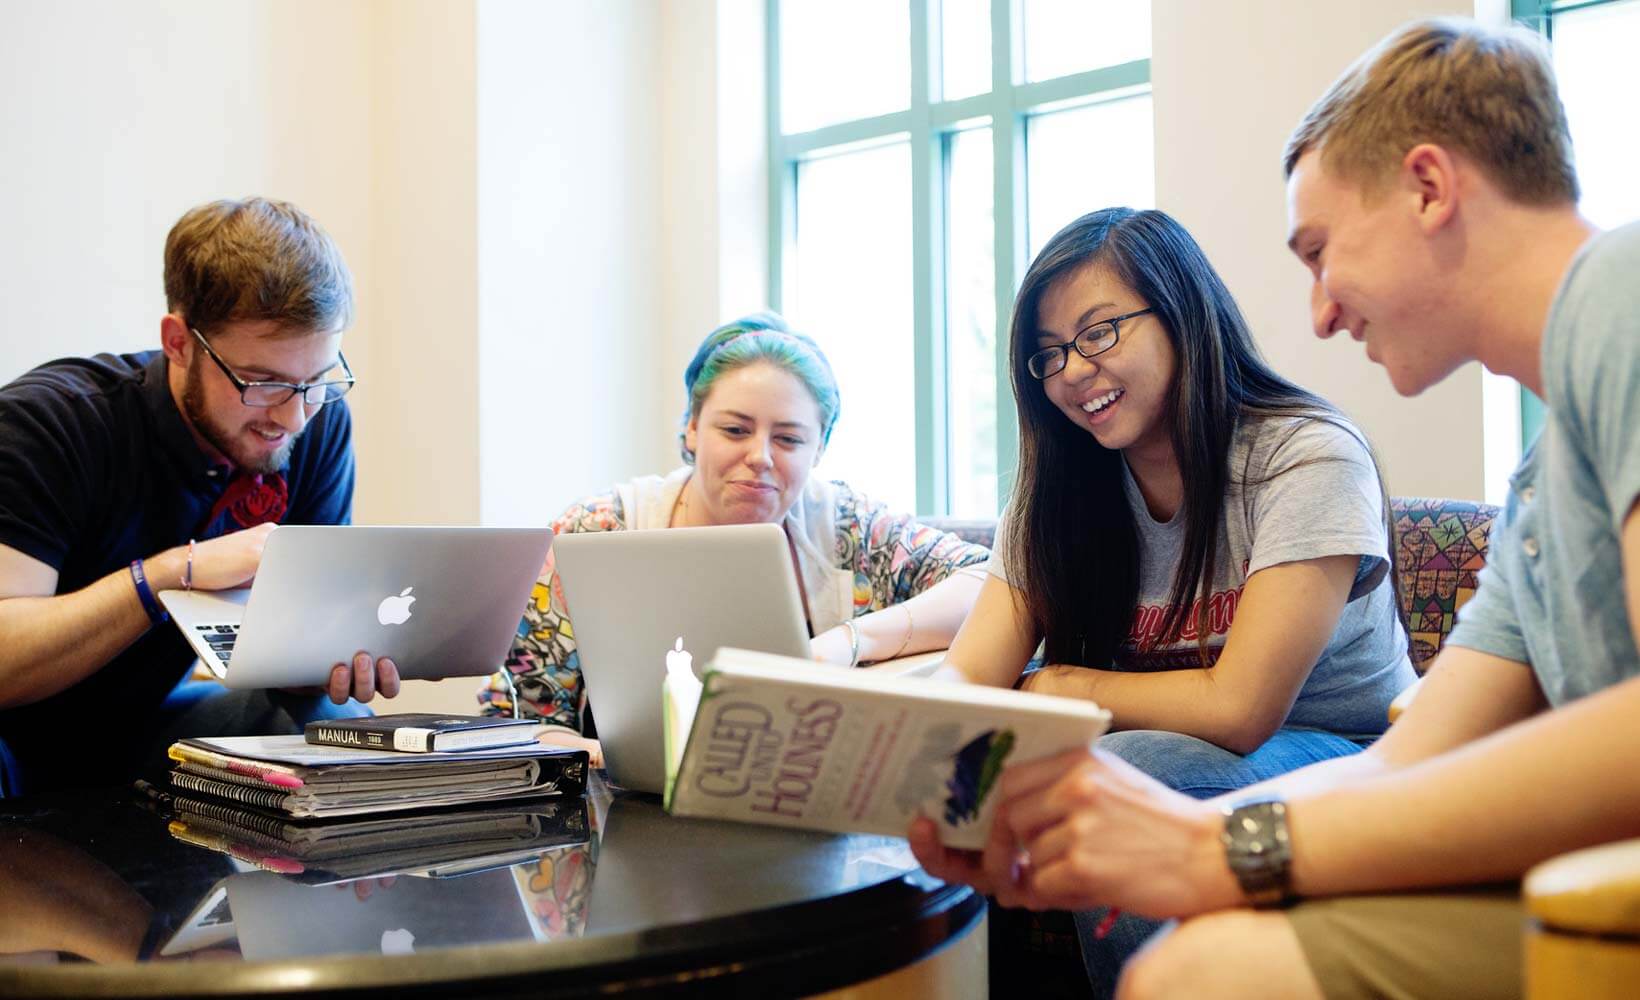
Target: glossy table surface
100	896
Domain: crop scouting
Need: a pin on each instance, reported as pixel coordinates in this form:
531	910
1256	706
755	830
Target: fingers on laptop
387	678
363	679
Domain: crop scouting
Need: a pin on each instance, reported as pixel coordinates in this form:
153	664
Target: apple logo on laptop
398	942
395	610
679	661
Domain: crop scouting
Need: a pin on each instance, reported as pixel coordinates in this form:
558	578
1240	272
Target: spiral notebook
287	776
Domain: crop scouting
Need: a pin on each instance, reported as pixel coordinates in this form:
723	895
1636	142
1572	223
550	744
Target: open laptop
632	595
441	602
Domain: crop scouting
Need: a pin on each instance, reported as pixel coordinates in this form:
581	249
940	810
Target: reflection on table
593	886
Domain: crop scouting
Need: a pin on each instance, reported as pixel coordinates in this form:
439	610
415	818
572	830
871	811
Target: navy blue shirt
97	468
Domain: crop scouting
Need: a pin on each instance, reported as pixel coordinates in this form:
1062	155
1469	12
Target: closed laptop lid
276	917
633	595
440	601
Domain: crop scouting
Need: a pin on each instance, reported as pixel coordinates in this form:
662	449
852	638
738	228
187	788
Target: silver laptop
632	595
275	917
442	602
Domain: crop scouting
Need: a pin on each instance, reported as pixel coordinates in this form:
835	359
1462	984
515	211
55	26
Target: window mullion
927	237
782	173
1008	179
1539	16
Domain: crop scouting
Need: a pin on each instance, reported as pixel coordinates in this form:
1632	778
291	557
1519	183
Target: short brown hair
256	259
1487	93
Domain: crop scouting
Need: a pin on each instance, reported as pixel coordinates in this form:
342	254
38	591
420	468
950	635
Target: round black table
631	899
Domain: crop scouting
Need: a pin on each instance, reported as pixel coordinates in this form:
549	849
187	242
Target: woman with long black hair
1201	545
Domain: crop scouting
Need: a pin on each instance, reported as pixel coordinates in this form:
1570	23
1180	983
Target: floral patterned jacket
890	556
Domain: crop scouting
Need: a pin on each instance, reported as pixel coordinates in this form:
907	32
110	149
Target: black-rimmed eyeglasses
265	394
1090	343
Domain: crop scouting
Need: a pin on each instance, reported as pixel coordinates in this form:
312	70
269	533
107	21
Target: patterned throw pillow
1440	547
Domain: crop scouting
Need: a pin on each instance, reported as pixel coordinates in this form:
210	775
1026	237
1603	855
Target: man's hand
363	679
1086	829
221	563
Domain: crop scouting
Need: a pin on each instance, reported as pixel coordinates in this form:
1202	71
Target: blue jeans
11	773
206	708
1201	770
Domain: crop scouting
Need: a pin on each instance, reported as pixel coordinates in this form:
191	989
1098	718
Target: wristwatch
1259	850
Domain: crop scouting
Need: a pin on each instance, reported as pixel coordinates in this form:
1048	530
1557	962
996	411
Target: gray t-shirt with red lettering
1300	488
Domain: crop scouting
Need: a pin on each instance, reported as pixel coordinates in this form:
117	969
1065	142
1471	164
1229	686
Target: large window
921	151
1593	43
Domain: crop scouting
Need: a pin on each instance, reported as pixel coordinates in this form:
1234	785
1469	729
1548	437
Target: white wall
417	415
546	204
572	313
714	200
1231	80
116	118
120	116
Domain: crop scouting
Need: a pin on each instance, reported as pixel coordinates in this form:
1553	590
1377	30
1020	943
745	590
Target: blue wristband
145	593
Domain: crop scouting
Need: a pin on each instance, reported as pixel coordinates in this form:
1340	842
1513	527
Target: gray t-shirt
1551	593
1300	488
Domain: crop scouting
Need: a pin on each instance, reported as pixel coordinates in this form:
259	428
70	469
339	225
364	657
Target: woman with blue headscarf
761	404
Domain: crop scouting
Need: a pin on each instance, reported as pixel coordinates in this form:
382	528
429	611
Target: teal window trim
1539	15
929	124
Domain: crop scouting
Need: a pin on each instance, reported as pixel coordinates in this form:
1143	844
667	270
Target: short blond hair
1486	93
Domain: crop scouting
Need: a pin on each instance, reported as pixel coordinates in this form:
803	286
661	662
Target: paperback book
786	742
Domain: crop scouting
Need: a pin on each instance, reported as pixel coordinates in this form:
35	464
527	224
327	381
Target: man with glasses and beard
123	475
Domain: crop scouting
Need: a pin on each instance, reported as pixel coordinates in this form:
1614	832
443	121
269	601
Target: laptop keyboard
220	638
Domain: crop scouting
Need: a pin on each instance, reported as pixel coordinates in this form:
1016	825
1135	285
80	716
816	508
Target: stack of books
438	843
294	804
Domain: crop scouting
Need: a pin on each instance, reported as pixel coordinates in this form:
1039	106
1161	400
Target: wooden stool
1583	926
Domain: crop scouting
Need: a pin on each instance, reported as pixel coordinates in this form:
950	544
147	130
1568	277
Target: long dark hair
1072	533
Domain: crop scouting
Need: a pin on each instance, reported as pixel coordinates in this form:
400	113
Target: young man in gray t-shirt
1432	197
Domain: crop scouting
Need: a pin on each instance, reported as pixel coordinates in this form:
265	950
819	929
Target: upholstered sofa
1440	546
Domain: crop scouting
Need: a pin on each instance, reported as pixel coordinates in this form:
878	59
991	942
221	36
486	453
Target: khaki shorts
1463	943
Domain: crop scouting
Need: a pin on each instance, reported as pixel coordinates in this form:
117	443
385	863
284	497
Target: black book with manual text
418	732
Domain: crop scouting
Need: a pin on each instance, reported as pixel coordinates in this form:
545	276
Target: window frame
1539	16
929	124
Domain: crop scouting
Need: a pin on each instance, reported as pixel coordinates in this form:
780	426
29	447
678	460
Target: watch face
1257	849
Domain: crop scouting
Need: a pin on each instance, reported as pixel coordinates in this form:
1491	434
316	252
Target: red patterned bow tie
252	499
